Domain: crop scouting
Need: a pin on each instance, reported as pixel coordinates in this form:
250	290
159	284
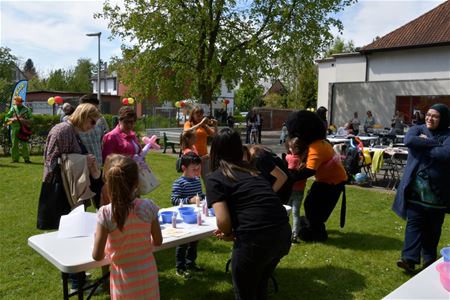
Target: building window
114	84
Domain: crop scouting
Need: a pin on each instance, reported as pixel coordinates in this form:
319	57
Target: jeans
422	233
186	255
296	202
255	257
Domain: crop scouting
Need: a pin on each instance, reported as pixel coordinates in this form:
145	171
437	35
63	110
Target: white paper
77	223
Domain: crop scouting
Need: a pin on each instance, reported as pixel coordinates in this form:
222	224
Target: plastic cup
167	216
444	274
445	252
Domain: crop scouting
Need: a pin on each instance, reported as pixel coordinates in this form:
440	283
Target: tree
248	95
339	46
29	70
206	42
57	80
79	80
7	66
275	100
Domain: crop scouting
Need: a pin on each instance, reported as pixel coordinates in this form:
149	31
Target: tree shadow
11	166
362	241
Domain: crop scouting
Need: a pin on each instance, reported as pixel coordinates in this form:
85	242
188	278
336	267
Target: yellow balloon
177	104
51	101
130	100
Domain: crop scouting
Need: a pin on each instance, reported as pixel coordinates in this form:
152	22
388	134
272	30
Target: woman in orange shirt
323	163
203	127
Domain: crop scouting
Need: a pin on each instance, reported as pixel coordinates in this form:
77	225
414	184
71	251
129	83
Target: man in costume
17	115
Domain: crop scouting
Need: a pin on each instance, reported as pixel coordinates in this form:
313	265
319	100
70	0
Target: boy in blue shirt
187	189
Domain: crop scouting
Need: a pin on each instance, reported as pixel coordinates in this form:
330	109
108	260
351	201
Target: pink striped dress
133	268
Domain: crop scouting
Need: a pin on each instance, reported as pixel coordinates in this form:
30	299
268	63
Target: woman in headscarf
423	194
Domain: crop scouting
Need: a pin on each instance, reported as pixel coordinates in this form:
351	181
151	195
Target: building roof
429	30
276	88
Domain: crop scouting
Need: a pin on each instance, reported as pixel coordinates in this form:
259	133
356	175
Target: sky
53	33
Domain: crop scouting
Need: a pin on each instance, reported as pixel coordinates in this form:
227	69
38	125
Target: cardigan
425	153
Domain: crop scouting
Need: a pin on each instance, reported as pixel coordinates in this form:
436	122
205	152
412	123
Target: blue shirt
185	188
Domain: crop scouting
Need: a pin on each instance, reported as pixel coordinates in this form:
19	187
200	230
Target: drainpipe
366	79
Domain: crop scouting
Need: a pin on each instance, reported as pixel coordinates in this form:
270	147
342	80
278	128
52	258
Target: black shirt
252	203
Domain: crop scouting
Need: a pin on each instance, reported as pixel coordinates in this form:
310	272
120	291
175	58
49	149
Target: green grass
357	262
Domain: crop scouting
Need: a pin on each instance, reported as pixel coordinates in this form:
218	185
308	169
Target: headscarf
444	113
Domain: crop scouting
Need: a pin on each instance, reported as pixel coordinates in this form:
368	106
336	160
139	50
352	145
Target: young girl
129	229
294	160
187	142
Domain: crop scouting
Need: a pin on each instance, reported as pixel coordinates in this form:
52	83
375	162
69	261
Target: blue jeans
296	202
422	233
255	257
186	255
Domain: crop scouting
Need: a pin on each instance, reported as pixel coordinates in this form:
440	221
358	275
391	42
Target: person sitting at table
345	130
187	189
355	123
127	230
249	213
423	194
369	122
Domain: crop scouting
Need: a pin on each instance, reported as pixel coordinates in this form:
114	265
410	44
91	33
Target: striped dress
133	268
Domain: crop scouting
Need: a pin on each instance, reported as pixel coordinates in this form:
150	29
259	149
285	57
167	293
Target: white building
406	70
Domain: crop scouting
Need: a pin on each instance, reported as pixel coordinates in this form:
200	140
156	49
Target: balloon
130	100
150	143
125	101
182	104
226	101
51	101
177	104
59	100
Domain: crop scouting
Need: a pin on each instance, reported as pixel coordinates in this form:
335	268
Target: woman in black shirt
249	213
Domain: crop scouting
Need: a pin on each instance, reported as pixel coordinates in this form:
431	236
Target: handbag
147	179
424	191
52	202
24	132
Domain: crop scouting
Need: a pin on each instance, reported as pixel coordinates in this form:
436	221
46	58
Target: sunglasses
129	121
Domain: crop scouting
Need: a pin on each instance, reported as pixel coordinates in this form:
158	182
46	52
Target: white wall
424	63
379	97
327	75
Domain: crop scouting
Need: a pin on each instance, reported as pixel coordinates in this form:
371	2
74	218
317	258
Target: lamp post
99	88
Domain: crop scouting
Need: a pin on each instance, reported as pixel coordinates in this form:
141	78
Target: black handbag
53	202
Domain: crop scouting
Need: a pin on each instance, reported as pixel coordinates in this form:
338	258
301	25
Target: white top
425	285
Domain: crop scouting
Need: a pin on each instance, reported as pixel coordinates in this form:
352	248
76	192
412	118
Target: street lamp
99	88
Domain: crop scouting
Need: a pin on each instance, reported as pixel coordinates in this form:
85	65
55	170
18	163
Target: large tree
29	70
7	65
202	42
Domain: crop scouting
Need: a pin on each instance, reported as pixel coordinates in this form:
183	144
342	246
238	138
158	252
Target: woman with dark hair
122	139
423	194
249	213
203	127
321	162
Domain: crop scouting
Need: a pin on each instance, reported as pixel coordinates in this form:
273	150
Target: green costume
18	145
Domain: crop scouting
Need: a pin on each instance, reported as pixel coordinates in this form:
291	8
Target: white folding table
74	255
425	285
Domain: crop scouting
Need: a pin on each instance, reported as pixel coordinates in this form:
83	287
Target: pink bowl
444	271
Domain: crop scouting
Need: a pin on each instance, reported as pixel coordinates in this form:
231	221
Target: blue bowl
167	216
189	217
445	252
185	209
212	212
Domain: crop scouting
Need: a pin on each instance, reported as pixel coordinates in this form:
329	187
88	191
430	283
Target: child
187	189
187	142
129	229
254	133
283	134
294	160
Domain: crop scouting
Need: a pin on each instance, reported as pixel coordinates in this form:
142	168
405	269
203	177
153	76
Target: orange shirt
202	137
328	166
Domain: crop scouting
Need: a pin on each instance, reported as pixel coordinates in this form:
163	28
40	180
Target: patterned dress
133	268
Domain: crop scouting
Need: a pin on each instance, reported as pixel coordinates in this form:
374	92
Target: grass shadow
324	282
362	241
11	166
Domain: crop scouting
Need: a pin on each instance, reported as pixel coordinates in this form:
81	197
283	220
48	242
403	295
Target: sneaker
183	273
294	239
86	284
195	268
406	265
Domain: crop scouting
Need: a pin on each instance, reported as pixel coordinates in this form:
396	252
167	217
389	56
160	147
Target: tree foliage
339	46
29	70
178	43
248	96
7	65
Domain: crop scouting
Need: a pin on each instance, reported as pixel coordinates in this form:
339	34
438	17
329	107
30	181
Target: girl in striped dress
127	230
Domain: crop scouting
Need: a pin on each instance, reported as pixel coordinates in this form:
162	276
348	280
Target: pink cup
444	270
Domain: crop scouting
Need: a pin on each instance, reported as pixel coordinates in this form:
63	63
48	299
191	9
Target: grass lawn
357	262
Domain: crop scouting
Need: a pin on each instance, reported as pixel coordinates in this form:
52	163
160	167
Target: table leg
65	278
81	278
